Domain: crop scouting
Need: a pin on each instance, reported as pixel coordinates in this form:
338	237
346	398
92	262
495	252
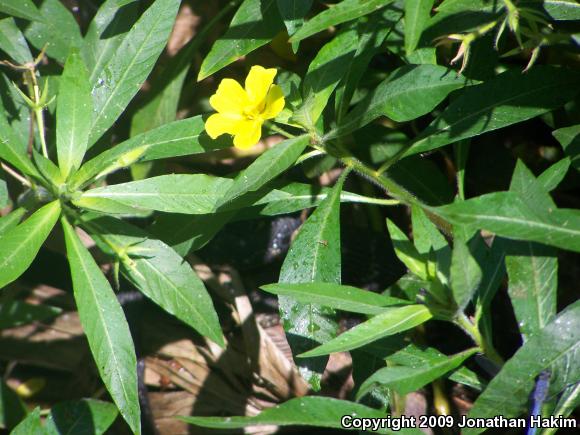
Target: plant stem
39	115
15	174
473	331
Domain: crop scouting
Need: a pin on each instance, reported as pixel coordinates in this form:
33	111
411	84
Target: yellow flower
241	112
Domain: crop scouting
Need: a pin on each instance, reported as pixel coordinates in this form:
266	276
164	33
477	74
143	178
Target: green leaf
302	411
178	138
507	214
426	236
407	253
417	13
409	92
125	72
553	176
109	206
186	233
175	193
85	416
530	190
47	169
74	113
106	329
465	272
266	167
19	246
12	410
293	13
30	425
106	32
11	220
16	313
255	24
324	74
58	30
17	114
509	98
532	284
568	402
22	9
569	138
372	34
342	12
161	274
340	297
555	346
415	356
565	10
12	41
406	379
314	256
4	195
12	150
390	322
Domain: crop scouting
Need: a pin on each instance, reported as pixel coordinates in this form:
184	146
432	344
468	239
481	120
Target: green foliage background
454	126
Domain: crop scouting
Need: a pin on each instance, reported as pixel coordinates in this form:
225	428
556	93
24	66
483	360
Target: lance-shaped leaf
417	14
106	32
553	176
22	9
132	62
313	257
293	13
11	220
19	246
555	347
175	193
178	138
406	379
12	41
160	273
57	30
342	12
74	113
340	297
416	356
409	92
324	74
12	150
390	322
186	233
533	282
465	273
566	10
106	328
509	98
507	214
302	411
255	24
569	138
88	416
265	168
31	424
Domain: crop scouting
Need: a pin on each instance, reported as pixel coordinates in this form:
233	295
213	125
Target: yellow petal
230	97
220	123
248	133
274	102
258	82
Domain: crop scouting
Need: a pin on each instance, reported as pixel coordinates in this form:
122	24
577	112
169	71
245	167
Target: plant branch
15	174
